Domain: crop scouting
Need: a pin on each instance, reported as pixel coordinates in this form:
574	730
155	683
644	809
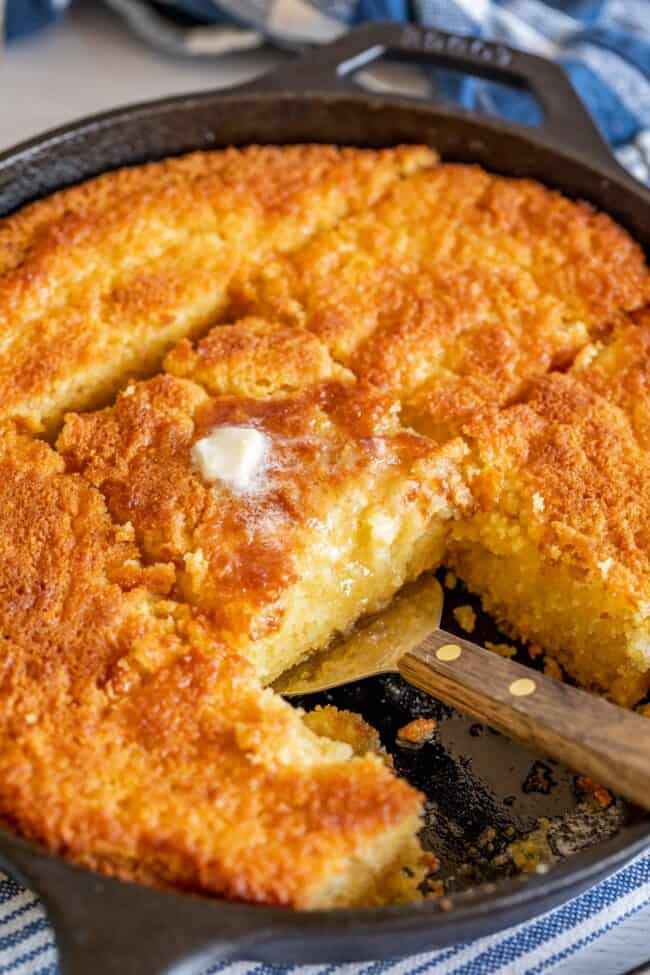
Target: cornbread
254	358
465	617
601	796
559	545
502	649
281	382
417	732
100	280
133	742
349	506
456	289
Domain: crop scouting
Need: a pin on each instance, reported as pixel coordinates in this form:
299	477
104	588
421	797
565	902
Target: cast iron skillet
475	780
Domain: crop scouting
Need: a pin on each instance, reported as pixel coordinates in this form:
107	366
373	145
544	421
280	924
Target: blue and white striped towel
605	47
27	944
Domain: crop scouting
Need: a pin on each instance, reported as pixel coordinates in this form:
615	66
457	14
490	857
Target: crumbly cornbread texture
445	364
134	742
559	545
100	280
456	290
348	507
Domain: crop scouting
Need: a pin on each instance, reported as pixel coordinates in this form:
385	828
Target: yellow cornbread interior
443	366
558	543
601	640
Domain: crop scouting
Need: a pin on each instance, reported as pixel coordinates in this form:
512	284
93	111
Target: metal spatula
587	733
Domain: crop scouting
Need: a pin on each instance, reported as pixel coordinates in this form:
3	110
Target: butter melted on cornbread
348	507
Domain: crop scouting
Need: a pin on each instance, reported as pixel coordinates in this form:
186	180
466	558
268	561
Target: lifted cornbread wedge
134	743
348	504
97	282
455	290
559	546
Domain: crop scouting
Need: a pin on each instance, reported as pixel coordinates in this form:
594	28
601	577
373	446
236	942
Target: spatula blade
375	646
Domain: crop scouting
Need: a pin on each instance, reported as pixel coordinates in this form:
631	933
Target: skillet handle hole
395	75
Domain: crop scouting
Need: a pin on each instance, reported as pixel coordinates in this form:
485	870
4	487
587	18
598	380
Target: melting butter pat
234	455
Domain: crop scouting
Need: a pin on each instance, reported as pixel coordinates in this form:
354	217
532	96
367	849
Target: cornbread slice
350	506
98	281
456	289
133	742
559	546
196	779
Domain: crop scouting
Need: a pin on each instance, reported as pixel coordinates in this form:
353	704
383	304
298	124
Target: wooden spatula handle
587	733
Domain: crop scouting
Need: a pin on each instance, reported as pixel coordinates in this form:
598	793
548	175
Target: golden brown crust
254	358
620	371
558	545
577	454
98	281
348	727
65	573
132	741
134	737
265	179
456	288
169	783
236	555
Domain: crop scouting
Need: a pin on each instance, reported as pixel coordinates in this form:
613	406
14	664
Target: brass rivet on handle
449	652
522	687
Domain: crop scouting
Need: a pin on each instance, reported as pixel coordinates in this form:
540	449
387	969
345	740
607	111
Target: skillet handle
106	927
583	731
567	123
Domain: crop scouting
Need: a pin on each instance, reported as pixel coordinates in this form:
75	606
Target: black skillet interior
483	792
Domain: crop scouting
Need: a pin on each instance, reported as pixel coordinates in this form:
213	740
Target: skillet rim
581	868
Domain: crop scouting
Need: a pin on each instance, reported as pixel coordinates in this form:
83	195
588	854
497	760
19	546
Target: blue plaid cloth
604	45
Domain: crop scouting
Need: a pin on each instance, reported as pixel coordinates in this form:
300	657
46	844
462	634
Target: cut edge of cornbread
385	870
120	711
402	525
558	546
393	867
595	632
350	506
373	876
376	538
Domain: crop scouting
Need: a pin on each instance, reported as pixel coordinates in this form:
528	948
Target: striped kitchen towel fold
27	943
